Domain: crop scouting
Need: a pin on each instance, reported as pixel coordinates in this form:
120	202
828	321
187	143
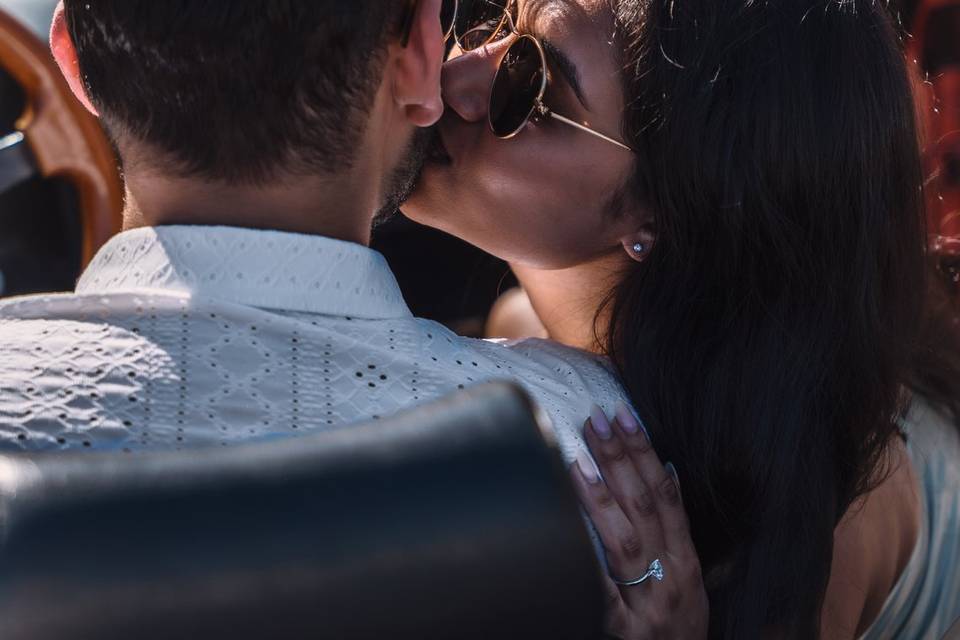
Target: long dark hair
767	339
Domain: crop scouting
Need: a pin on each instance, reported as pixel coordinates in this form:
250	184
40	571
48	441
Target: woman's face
545	198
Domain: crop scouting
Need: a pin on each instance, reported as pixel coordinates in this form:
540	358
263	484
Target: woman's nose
467	79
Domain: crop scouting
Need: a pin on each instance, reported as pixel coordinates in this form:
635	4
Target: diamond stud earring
639	248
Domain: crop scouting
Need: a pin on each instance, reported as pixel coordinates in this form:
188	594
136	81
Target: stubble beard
404	179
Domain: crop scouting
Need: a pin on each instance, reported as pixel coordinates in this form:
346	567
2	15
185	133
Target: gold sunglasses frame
538	109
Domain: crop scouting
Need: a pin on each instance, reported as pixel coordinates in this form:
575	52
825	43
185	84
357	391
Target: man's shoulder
547	368
568	377
563	381
558	358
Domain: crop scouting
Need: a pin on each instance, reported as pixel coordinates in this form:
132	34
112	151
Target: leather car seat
454	520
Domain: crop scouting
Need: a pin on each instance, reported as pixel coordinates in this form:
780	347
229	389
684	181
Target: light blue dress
925	602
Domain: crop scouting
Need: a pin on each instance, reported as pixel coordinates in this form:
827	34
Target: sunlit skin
558	227
503	195
539	201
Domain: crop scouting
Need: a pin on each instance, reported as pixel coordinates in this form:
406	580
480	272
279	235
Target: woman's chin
428	203
420	206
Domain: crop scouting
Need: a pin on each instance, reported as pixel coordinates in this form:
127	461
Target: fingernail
587	469
600	423
626	419
672	470
630	423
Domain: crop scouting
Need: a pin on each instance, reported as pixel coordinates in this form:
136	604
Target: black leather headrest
454	520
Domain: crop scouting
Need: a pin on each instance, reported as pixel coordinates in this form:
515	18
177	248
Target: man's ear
65	53
417	67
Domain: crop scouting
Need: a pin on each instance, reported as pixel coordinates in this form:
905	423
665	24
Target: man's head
247	92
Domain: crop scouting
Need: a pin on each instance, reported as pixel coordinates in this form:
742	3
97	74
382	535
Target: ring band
655	571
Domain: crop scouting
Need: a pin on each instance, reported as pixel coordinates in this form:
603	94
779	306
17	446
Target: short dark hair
236	90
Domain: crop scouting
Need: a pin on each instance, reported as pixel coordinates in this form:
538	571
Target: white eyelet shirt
196	336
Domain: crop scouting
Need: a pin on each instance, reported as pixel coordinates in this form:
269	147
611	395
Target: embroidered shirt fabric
195	336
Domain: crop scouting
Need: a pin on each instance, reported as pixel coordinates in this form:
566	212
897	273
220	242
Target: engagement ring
655	571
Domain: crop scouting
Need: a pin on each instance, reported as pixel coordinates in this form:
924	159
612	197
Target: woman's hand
636	506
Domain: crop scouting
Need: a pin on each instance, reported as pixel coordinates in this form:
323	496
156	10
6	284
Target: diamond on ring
656	570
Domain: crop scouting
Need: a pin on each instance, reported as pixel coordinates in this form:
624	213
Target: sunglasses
522	78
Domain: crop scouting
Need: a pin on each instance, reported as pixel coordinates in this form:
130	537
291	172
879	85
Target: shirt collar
265	269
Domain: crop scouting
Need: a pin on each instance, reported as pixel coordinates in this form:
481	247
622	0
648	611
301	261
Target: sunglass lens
479	22
517	87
